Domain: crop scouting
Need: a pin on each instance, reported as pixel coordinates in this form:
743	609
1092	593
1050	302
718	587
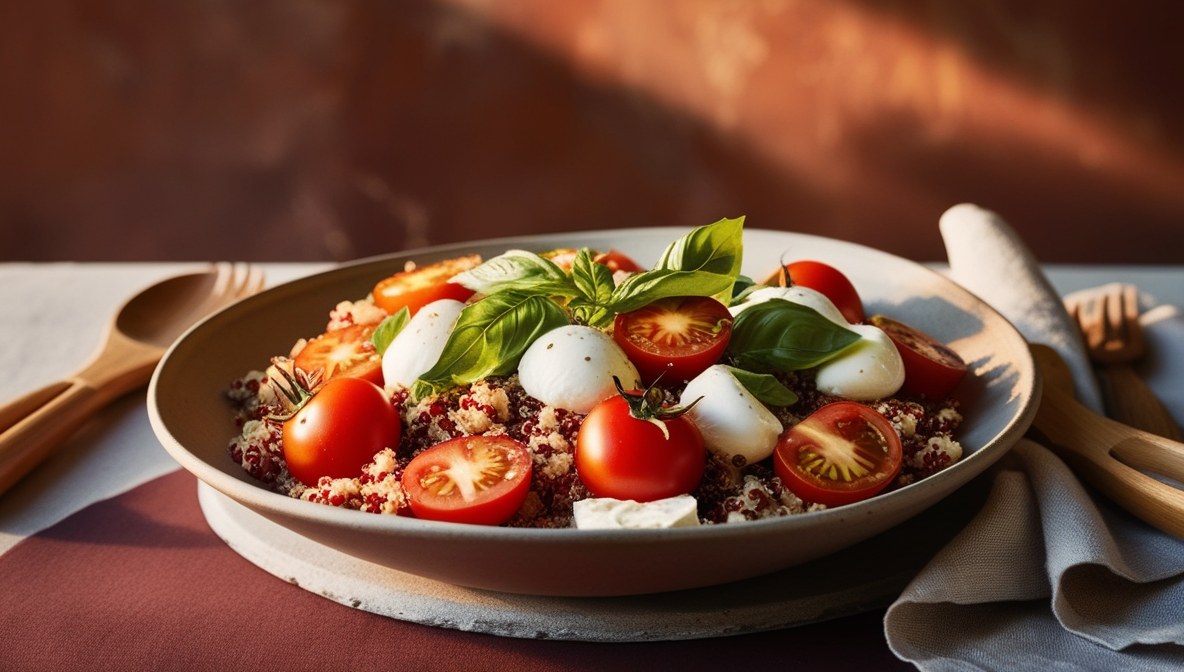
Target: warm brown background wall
317	130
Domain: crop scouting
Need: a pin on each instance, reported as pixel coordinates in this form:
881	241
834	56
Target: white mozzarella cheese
870	369
615	514
417	348
572	367
731	420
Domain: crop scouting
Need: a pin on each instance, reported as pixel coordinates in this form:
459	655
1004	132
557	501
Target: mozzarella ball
870	369
417	348
572	367
731	420
800	295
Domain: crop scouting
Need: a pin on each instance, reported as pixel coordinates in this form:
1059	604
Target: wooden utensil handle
1153	501
30	440
1131	402
1108	454
18	409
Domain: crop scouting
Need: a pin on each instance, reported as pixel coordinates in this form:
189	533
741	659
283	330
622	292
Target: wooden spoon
38	423
1107	454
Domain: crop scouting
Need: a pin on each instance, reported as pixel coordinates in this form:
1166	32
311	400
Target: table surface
54	317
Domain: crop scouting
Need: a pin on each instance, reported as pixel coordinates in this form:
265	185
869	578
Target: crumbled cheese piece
343	492
349	313
471	420
905	423
613	514
756	501
939	452
949	414
558	465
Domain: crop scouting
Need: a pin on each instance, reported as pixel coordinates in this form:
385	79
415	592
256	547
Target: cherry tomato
678	337
842	453
480	480
345	352
564	257
416	288
339	430
930	368
622	457
617	261
828	280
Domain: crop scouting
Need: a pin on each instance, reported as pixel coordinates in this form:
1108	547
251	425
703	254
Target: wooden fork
1108	317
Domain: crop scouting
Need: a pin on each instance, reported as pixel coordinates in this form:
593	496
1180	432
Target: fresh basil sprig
765	387
704	262
390	327
594	286
489	338
518	270
779	335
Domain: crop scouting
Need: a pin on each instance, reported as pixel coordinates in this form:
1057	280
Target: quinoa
729	492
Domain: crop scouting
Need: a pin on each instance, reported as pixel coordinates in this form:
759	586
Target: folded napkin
1050	574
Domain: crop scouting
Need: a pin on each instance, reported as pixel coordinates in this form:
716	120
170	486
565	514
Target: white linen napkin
1050	574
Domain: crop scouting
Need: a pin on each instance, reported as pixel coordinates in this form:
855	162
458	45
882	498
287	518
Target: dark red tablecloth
140	582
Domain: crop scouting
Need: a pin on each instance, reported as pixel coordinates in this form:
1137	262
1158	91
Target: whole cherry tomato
345	352
617	261
842	453
826	279
480	480
930	367
418	287
623	457
677	337
339	430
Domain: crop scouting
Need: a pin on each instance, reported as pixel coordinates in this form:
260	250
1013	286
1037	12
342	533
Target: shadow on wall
326	131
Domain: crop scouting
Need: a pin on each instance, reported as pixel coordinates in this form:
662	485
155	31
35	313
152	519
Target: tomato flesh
931	369
622	457
842	453
418	287
345	352
677	337
826	279
480	480
339	430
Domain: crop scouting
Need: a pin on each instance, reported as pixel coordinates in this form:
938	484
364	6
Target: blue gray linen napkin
1050	574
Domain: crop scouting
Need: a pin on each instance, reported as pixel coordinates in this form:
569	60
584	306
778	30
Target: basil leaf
742	288
704	262
521	270
386	331
489	339
779	335
594	281
765	387
595	284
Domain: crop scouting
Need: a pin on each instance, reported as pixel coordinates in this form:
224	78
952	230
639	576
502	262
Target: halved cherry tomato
930	367
617	261
339	430
481	480
842	453
345	352
826	279
417	288
677	337
622	457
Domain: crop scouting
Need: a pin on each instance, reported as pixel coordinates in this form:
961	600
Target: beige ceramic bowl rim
263	500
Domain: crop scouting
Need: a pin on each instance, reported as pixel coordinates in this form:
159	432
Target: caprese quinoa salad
573	388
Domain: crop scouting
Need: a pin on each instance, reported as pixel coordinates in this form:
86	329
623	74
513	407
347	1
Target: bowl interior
192	418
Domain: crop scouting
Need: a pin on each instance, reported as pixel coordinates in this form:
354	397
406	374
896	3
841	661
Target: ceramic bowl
192	418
